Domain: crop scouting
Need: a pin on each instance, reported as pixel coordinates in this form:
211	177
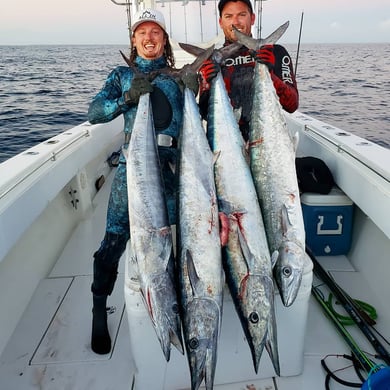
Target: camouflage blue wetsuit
167	103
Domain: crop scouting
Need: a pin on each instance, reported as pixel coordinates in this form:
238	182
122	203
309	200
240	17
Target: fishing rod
299	45
364	361
350	307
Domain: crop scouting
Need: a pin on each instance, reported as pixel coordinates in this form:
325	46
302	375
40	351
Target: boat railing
37	176
360	168
363	151
17	170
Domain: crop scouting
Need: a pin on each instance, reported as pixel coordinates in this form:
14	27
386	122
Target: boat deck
50	348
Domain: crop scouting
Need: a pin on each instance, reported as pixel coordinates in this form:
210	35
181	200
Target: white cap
148	15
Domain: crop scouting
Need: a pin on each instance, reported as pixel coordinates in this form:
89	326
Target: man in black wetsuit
237	71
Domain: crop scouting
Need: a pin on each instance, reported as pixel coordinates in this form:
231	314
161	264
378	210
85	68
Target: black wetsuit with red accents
237	73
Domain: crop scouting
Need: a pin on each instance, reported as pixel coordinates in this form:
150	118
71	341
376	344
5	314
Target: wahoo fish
246	256
272	162
151	236
247	262
201	276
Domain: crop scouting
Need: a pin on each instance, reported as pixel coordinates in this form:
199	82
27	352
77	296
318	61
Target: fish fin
147	301
276	35
192	49
200	59
254	44
237	113
216	156
295	140
271	344
172	167
226	207
127	60
228	50
274	258
286	219
192	274
246	40
245	249
224	228
246	152
176	341
218	55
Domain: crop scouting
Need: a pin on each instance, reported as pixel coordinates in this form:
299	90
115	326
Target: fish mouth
203	368
288	272
160	299
201	342
289	285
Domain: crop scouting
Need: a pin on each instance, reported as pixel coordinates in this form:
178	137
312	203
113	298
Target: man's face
149	40
236	14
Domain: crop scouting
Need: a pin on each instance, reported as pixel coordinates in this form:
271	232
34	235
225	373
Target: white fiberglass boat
53	201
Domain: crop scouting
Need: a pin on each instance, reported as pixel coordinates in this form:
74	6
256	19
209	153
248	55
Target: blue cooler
328	222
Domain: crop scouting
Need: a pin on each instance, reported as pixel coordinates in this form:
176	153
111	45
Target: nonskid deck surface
50	348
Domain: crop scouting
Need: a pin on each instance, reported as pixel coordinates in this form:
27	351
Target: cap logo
147	15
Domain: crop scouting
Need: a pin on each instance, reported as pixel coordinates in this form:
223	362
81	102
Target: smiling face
236	14
149	39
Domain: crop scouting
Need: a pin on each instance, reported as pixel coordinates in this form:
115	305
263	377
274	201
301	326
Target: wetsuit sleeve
109	102
284	80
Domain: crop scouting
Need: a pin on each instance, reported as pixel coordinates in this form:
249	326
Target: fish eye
175	308
286	271
254	317
193	343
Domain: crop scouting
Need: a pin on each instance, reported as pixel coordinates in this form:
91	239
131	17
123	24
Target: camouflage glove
190	80
139	86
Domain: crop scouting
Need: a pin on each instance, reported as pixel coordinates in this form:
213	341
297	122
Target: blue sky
26	22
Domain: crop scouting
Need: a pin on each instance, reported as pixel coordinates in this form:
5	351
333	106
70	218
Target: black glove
190	80
139	86
209	70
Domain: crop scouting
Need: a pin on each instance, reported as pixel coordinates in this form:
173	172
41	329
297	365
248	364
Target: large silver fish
247	260
199	250
246	256
151	237
272	156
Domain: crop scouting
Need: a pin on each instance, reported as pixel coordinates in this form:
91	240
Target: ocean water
45	90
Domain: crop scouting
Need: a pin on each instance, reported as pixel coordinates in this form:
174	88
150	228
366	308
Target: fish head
160	299
201	329
288	271
256	295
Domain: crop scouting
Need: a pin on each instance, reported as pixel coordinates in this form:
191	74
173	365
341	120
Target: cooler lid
336	197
